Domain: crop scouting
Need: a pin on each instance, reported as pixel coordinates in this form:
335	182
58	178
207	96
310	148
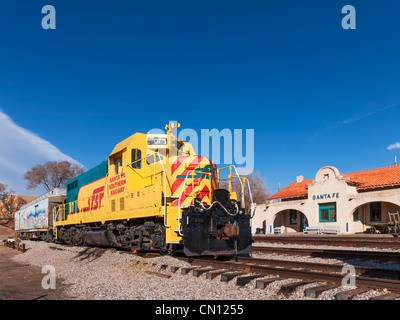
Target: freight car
154	193
35	220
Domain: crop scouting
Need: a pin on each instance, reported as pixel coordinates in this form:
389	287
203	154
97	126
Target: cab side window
136	155
118	164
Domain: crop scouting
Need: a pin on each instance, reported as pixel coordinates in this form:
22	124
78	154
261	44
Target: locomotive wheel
168	249
76	237
65	235
172	248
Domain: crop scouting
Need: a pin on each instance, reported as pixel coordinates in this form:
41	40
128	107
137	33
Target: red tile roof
372	178
295	189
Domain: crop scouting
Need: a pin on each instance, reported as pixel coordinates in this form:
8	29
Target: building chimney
299	179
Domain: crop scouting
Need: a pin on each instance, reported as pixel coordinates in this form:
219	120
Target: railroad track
266	271
331	253
347	241
243	270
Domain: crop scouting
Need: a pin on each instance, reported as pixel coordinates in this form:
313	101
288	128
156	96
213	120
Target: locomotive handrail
54	218
242	185
179	202
65	208
250	194
165	192
230	176
180	196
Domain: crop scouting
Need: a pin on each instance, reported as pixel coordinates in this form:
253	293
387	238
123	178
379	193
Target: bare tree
52	174
9	203
257	187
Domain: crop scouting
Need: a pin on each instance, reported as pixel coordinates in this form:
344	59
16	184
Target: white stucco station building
350	202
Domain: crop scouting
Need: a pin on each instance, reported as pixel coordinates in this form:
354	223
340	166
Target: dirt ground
24	282
6	231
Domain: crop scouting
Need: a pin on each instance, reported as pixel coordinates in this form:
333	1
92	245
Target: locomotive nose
219	229
193	177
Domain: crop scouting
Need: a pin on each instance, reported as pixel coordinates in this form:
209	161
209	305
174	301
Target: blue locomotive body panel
76	183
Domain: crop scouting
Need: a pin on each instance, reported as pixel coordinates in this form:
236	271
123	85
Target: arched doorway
290	221
375	217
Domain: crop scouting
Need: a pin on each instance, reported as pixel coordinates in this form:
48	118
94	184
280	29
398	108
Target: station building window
356	216
375	211
327	212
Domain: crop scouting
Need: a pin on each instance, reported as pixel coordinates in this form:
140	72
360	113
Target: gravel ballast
109	274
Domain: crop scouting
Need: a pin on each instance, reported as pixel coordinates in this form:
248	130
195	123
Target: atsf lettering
94	202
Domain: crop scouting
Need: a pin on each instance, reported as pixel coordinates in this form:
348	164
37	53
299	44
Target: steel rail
379	242
331	253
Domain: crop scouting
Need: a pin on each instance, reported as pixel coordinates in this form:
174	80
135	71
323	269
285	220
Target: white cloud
366	112
394	146
20	150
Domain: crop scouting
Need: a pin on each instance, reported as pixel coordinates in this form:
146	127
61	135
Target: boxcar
35	219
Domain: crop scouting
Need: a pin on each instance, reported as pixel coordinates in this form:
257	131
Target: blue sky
314	93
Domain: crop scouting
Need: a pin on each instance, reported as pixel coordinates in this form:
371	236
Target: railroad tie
212	274
242	281
387	296
287	289
158	274
185	271
226	277
199	272
350	294
174	269
263	283
315	292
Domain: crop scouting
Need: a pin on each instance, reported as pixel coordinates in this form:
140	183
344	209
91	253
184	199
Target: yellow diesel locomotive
154	193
